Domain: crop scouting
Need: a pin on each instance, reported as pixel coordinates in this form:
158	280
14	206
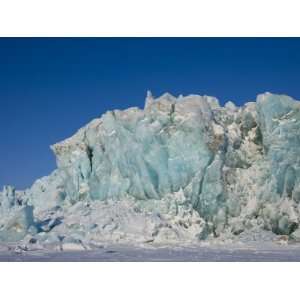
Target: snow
119	253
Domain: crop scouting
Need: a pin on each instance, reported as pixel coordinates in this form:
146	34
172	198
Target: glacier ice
180	170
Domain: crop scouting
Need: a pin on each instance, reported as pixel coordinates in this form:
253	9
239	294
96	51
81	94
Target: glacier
182	170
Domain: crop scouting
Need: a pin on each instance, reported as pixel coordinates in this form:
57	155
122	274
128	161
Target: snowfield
261	252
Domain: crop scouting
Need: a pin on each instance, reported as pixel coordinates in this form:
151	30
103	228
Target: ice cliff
180	170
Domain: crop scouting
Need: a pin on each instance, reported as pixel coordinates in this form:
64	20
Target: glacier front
182	170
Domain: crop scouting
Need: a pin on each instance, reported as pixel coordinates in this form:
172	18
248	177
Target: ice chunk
15	225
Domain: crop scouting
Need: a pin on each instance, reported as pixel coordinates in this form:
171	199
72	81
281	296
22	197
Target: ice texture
180	170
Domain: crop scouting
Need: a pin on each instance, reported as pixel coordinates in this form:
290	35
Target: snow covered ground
234	253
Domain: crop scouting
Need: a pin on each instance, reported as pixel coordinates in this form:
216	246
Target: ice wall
186	168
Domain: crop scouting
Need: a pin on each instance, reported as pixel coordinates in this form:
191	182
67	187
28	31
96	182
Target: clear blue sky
49	88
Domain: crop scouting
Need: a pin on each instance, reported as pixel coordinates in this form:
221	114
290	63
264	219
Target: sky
50	87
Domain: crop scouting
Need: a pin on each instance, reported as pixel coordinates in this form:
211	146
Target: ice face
280	123
143	154
187	168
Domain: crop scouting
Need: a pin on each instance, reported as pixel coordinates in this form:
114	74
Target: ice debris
181	170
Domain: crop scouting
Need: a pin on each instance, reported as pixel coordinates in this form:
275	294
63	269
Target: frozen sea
232	253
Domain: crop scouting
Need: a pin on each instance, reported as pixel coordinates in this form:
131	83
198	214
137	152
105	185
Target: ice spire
149	99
